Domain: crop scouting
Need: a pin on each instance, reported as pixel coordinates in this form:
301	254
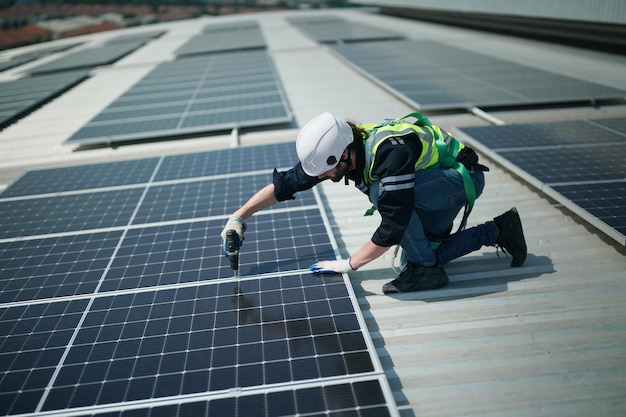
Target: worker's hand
332	267
238	225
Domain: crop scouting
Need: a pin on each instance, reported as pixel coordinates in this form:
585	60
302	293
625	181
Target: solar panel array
332	29
203	93
224	37
580	163
17	98
116	298
435	76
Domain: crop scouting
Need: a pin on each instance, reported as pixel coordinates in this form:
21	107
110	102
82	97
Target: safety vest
439	150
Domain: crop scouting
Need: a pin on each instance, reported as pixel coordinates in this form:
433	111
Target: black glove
469	158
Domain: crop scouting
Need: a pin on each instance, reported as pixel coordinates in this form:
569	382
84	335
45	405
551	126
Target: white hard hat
321	142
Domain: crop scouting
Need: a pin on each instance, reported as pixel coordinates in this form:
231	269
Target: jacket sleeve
395	168
287	183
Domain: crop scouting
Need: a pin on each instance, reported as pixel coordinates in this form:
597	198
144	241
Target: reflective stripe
399	178
398	182
396	187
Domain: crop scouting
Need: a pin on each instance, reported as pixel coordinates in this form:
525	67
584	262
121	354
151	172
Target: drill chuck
232	249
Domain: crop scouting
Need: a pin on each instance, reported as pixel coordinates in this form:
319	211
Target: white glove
332	267
237	224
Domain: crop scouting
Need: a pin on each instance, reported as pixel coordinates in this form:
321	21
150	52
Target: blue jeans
439	197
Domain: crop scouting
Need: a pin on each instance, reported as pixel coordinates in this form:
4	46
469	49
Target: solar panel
332	29
434	76
54	267
243	159
224	37
193	95
88	58
580	163
67	213
138	37
82	177
20	59
198	199
32	342
117	299
20	97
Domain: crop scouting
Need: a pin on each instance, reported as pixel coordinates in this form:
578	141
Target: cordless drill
232	250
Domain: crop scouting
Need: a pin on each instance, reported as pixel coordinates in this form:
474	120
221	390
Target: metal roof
548	338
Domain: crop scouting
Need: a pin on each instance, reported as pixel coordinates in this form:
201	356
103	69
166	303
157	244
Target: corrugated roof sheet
546	339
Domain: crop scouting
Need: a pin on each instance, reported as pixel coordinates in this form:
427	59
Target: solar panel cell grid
582	161
205	344
358	399
202	198
82	177
245	159
54	267
606	201
572	164
32	342
67	213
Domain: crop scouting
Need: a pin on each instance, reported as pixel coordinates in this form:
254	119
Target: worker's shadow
470	276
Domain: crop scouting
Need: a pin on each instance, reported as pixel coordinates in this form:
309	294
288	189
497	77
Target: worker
398	165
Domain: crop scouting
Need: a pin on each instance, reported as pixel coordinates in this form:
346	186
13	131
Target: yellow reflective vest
439	149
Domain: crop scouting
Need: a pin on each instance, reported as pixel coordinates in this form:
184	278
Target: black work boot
511	238
416	277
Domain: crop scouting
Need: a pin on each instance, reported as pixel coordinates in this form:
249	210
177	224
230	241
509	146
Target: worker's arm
283	187
264	198
366	254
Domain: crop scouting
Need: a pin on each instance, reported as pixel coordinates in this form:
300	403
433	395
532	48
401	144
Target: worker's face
337	173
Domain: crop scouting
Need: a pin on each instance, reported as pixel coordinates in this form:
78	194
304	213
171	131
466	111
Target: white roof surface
546	339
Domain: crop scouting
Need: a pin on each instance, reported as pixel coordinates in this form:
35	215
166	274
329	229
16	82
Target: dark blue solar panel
191	252
576	132
433	75
356	399
40	216
572	164
19	97
211	338
605	201
54	267
206	198
32	342
83	177
211	92
243	159
584	161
